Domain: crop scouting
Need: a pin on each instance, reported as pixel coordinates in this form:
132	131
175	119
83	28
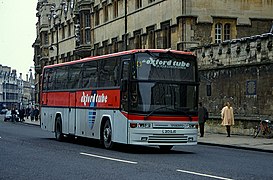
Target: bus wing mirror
124	83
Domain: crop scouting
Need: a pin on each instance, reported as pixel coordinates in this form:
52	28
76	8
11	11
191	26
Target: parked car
3	111
8	116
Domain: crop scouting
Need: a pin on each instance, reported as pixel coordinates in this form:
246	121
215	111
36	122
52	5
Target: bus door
72	113
124	93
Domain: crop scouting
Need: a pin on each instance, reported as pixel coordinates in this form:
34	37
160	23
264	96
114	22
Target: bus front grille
167	138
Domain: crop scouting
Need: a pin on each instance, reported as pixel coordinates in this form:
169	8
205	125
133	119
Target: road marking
108	158
205	175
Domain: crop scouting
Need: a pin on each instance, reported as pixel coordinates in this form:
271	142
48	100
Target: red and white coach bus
140	97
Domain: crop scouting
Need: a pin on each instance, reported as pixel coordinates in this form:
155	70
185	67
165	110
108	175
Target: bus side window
45	80
103	73
115	75
73	76
124	82
51	79
89	75
61	78
109	72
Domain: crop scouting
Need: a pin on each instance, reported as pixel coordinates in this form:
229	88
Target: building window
69	28
218	33
227	32
86	28
105	12
52	36
105	47
45	38
63	31
87	36
97	16
166	35
138	4
115	9
151	37
87	21
223	29
138	42
115	44
96	50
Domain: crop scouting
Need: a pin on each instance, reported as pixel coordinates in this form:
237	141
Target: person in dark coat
202	117
21	114
36	113
13	114
32	113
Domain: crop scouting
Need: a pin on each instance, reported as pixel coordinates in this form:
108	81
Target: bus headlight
140	125
189	126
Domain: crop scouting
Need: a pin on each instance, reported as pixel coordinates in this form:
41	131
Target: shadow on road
132	149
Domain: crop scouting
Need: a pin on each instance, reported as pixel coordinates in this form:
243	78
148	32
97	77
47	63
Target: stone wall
239	71
241	127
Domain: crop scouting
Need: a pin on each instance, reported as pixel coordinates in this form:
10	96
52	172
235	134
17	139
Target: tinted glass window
109	72
61	78
74	76
89	75
49	78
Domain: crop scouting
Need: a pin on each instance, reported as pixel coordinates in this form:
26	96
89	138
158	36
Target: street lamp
125	25
56	27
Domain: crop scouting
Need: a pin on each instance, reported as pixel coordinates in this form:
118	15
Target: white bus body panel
85	122
88	124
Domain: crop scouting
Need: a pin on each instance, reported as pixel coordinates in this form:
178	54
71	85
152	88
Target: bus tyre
107	135
165	148
58	129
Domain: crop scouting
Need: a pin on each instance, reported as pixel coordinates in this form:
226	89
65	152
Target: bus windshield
163	97
164	83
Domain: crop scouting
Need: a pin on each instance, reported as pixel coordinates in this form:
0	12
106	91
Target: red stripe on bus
133	117
96	98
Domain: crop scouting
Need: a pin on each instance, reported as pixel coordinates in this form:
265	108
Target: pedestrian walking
13	114
28	112
36	113
21	114
227	117
32	114
202	117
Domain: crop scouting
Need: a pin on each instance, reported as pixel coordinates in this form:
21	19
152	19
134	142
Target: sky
17	34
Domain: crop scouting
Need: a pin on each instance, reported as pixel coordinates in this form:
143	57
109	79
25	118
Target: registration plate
168	131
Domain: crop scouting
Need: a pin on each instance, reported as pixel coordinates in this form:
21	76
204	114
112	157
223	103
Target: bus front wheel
58	129
107	135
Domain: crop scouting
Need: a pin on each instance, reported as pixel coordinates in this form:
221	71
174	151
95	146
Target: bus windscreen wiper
183	110
162	107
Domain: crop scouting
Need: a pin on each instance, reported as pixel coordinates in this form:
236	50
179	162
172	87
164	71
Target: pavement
238	141
235	141
28	121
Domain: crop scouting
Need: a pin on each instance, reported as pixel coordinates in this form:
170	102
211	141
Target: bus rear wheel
58	129
107	135
165	148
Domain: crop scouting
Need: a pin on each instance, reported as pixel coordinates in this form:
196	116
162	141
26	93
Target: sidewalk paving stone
238	141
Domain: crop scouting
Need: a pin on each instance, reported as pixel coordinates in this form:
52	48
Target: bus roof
119	54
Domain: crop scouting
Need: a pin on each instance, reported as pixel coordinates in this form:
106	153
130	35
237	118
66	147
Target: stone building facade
10	88
14	91
73	29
